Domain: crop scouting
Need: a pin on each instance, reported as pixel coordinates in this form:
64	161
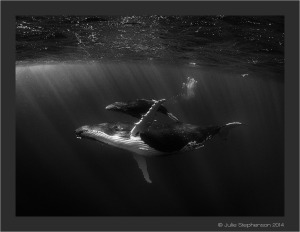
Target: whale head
98	131
118	135
115	134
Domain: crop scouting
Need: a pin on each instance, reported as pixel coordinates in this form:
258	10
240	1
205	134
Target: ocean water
69	68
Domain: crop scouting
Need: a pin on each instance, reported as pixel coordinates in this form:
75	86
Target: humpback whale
138	108
148	138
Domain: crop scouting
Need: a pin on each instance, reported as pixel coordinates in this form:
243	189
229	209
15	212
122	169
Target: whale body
159	139
148	138
138	108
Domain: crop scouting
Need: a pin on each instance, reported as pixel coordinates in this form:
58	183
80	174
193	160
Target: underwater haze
212	70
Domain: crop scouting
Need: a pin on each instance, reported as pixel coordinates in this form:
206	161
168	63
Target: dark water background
69	68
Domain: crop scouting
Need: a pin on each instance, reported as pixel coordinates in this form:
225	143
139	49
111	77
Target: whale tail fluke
224	130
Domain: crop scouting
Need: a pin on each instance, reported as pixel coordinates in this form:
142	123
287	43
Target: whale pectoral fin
224	131
172	117
141	161
146	119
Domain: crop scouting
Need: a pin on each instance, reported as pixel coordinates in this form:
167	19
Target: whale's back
171	137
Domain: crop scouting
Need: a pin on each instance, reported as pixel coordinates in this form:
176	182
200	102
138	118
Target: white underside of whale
132	143
137	146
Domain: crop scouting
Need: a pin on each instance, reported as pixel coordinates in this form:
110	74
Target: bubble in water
189	88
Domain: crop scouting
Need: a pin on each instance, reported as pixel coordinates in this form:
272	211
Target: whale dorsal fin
146	119
141	161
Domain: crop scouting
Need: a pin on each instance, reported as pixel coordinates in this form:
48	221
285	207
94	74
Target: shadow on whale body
148	138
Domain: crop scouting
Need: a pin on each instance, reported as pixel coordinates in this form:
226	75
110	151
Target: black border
11	9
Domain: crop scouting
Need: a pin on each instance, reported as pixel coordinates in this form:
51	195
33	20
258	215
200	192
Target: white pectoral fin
141	161
147	119
224	131
172	117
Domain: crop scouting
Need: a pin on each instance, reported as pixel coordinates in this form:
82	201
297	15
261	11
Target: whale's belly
132	143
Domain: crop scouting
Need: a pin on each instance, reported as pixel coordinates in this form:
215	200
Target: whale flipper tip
224	130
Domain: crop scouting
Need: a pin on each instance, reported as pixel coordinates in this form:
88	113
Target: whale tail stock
225	129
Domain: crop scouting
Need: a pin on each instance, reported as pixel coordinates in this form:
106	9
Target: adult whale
138	108
148	138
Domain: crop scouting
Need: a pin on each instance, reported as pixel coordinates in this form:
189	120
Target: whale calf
148	138
138	108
